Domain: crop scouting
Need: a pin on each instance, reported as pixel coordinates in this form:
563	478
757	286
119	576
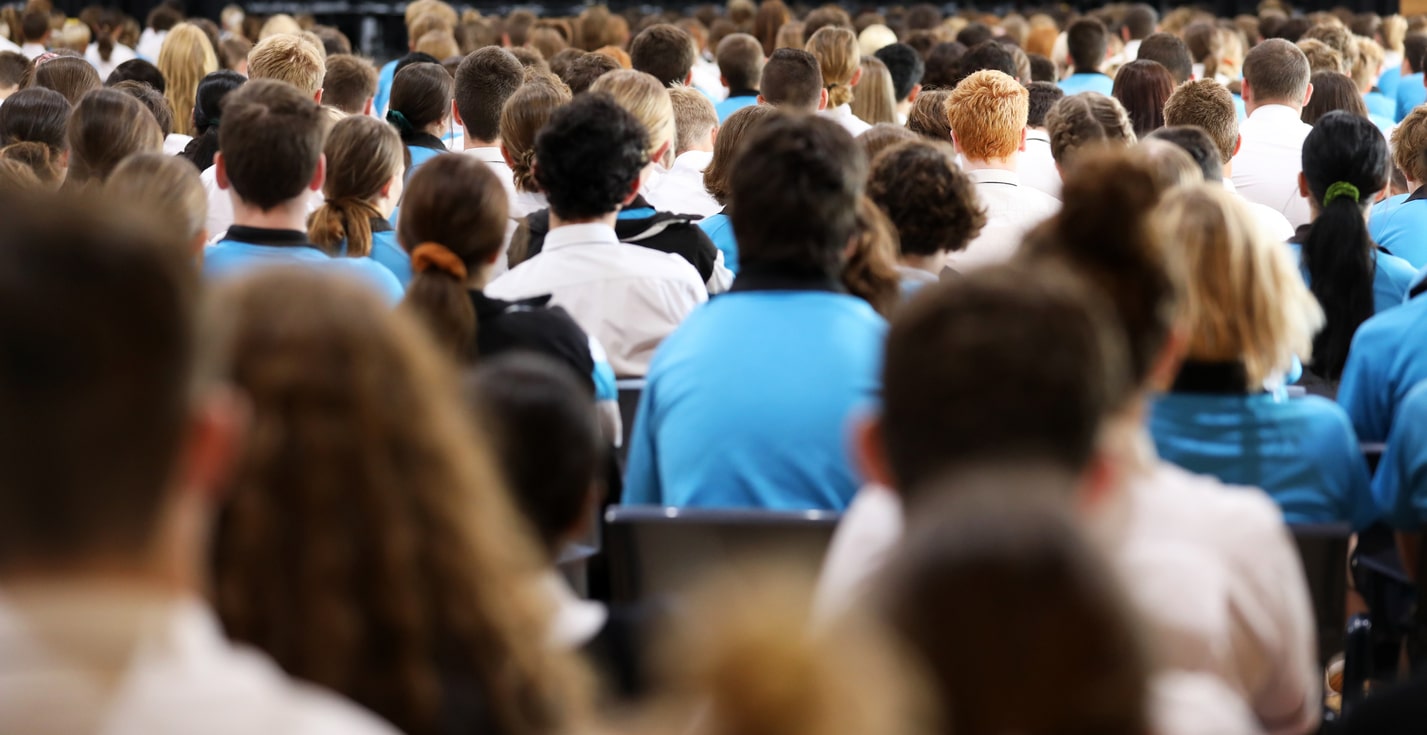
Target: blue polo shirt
1387	83
389	253
750	403
384	81
1087	82
1301	451
719	228
1400	485
1380	104
737	100
422	147
1392	277
1387	360
247	249
1398	223
1410	94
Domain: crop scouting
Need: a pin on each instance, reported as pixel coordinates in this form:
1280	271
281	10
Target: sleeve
1399	489
1363	393
1357	500
641	479
722	278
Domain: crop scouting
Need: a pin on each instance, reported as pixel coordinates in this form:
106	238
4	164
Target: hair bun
430	255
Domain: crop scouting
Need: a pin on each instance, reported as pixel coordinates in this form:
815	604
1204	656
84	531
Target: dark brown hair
71	76
586	70
525	113
484	81
929	116
727	147
1143	87
870	271
35	115
348	83
926	196
1204	103
420	96
665	51
740	61
152	100
1333	91
1276	71
271	139
15	69
792	78
363	155
772	14
106	127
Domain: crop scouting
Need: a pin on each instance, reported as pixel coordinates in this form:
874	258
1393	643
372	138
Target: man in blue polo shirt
1087	43
269	160
1387	360
740	65
750	402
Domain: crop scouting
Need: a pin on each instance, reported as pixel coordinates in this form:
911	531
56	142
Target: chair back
1323	547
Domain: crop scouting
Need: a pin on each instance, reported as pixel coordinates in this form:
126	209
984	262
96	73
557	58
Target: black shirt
534	325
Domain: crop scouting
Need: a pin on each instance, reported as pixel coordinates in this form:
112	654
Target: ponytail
106	45
347	218
438	297
1338	253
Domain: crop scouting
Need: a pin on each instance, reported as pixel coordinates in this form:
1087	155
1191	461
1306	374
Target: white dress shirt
1270	220
706	80
150	43
491	156
1270	159
119	55
680	190
1192	703
628	297
1036	166
842	115
81	662
1012	210
32	51
525	203
220	207
8	45
174	143
869	531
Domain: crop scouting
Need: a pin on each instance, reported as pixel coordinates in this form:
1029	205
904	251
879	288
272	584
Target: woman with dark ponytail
106	53
420	110
207	113
365	166
1345	167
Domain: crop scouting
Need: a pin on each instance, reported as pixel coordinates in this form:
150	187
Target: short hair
881	137
792	79
740	61
1200	146
152	100
108	368
1043	96
906	67
1338	38
1008	362
991	55
1170	51
1085	119
1333	91
1369	61
827	16
440	43
1087	41
1042	69
665	51
1142	87
289	59
944	66
586	70
795	163
929	200
1277	71
731	136
35	115
155	182
270	140
1321	56
694	117
350	81
137	70
1206	104
34	24
988	113
1409	144
838	57
1140	19
590	156
71	76
486	78
106	127
930	116
1414	51
334	41
15	70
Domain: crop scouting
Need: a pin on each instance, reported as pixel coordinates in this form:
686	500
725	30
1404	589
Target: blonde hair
441	10
278	25
154	182
875	101
440	44
288	58
1248	302
1394	31
185	58
988	112
838	57
1367	64
424	25
74	36
694	116
646	99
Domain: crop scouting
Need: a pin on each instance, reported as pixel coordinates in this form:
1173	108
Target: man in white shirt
989	111
1270	157
484	81
1037	165
113	462
35	29
1139	23
681	189
589	160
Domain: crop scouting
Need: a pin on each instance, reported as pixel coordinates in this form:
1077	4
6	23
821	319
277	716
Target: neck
477	281
608	219
1000	164
474	142
932	264
1086	70
703	146
436	129
290	215
1253	107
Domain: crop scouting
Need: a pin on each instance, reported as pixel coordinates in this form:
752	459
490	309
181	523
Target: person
718	174
70	76
1087	46
869	268
154	182
1171	52
137	70
421	17
681	188
875	103
36	115
157	106
365	166
882	136
1366	69
1218	418
1322	57
1333	91
988	54
106	127
1036	165
185	59
522	118
420	110
485	80
1265	169
269	164
665	52
1142	87
930	202
35	33
1139	23
838	56
906	67
1410	90
349	84
988	114
929	116
784	346
586	70
16	72
1207	105
740	68
1084	121
156	27
1396	222
207	114
589	159
421	513
106	52
793	81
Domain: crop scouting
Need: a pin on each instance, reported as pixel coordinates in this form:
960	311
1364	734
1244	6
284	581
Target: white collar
1037	134
572	235
843	110
994	176
916	275
573	622
695	161
486	153
1276	114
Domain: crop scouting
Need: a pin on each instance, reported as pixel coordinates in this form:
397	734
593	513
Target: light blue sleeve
378	276
605	387
641	478
1363	392
1400	487
383	95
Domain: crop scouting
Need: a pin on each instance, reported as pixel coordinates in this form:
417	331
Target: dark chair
1324	551
655	552
1372	452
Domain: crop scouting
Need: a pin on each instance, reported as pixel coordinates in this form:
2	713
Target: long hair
363	155
838	56
1142	87
772	15
208	115
870	272
524	114
105	128
646	99
1338	251
185	58
367	543
420	97
726	149
875	102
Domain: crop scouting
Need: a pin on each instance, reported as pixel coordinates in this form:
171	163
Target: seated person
365	167
716	177
420	110
740	67
784	354
1397	222
681	189
1087	48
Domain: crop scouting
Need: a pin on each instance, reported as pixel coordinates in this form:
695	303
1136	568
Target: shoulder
1399	271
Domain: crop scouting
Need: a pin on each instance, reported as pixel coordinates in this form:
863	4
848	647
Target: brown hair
270	140
883	136
664	51
838	55
363	486
420	97
1084	119
15	69
363	155
453	223
1333	91
875	101
71	76
349	82
586	70
288	58
988	112
1276	71
154	182
726	147
1205	104
792	79
870	271
1142	87
1322	57
927	197
484	81
152	100
42	161
36	115
1409	145
740	61
930	115
185	58
772	16
525	113
106	127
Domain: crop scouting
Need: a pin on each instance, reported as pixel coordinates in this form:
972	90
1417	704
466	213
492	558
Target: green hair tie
1340	189
402	124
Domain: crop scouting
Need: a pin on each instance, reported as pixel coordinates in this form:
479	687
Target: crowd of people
311	368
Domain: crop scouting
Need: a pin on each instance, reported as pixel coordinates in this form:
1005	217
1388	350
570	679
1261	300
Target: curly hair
927	197
1089	117
367	543
590	156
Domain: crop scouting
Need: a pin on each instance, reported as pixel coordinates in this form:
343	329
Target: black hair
987	55
1042	69
137	70
1087	40
589	156
35	115
415	57
906	67
1338	251
1195	141
207	114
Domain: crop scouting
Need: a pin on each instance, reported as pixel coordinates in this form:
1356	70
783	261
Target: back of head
34	25
288	58
740	61
589	157
420	98
586	70
804	164
792	80
208	113
1414	52
875	102
694	117
16	71
439	43
1198	144
988	113
837	53
1085	119
1140	20
1409	145
1345	166
1043	96
906	67
43	164
1042	69
874	38
1333	91
153	182
484	81
987	55
152	101
929	200
1322	57
727	148
35	115
270	140
106	127
349	83
100	334
1172	166
1087	41
137	70
164	17
827	16
944	66
1276	71
772	16
71	76
645	98
882	136
1169	50
364	159
522	118
1207	105
334	41
186	57
930	116
1142	87
530	401
664	51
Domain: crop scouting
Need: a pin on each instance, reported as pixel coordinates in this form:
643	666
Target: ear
915	93
1098	482
1303	186
822	99
633	192
762	101
689	79
1238	143
659	154
220	171
199	241
723	81
456	115
317	97
367	108
386	188
1166	366
505	153
219	417
956	144
1381	194
856	77
319	174
1022	147
870	452
1125	34
1309	94
1246	91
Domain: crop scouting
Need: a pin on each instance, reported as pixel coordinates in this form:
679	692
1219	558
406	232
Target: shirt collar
695	161
754	277
380	224
1276	114
840	111
995	176
1037	134
733	93
1418	195
1215	378
268	237
489	308
486	153
425	140
917	275
594	233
